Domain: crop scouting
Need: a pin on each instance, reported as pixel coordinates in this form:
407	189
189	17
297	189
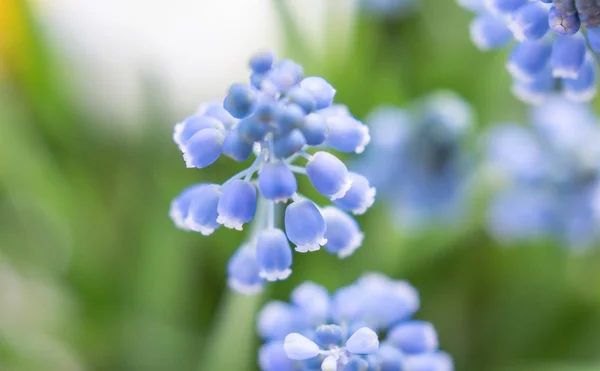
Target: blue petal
359	197
438	361
328	336
240	100
289	143
242	271
262	62
180	205
346	134
414	337
583	88
343	233
593	37
390	359
299	347
289	117
272	357
235	147
277	182
274	254
305	226
252	129
328	175
528	59
190	126
202	215
363	341
314	129
568	55
321	90
278	319
536	91
489	32
313	301
504	6
237	204
302	98
529	22
203	148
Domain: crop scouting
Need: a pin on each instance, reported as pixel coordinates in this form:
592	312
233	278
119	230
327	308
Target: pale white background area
192	49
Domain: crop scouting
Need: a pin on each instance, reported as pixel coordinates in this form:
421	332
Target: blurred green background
93	274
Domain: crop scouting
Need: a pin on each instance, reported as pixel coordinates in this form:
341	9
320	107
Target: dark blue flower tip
328	175
203	148
305	226
273	254
359	198
289	117
568	55
314	129
237	204
262	62
240	100
183	131
236	147
563	24
322	92
277	182
243	271
414	337
202	214
343	233
289	143
328	336
180	206
302	98
346	134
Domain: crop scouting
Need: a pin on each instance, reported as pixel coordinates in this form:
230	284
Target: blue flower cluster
274	118
345	331
556	43
418	157
550	175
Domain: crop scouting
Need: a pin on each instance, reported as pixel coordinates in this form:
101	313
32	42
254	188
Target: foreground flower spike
345	331
547	176
427	179
555	44
276	118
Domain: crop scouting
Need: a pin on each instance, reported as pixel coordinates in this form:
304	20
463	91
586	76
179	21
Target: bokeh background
93	274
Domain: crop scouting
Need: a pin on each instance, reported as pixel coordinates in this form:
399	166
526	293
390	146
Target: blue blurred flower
555	43
364	326
274	118
388	8
548	175
418	160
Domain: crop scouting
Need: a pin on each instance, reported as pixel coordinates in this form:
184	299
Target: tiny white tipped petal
275	275
329	364
366	139
231	223
345	188
354	244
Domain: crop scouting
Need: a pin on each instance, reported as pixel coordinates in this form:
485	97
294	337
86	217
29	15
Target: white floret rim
347	183
353	245
274	275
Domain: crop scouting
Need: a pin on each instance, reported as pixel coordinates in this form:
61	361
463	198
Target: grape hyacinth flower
275	118
556	44
549	176
345	331
418	160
